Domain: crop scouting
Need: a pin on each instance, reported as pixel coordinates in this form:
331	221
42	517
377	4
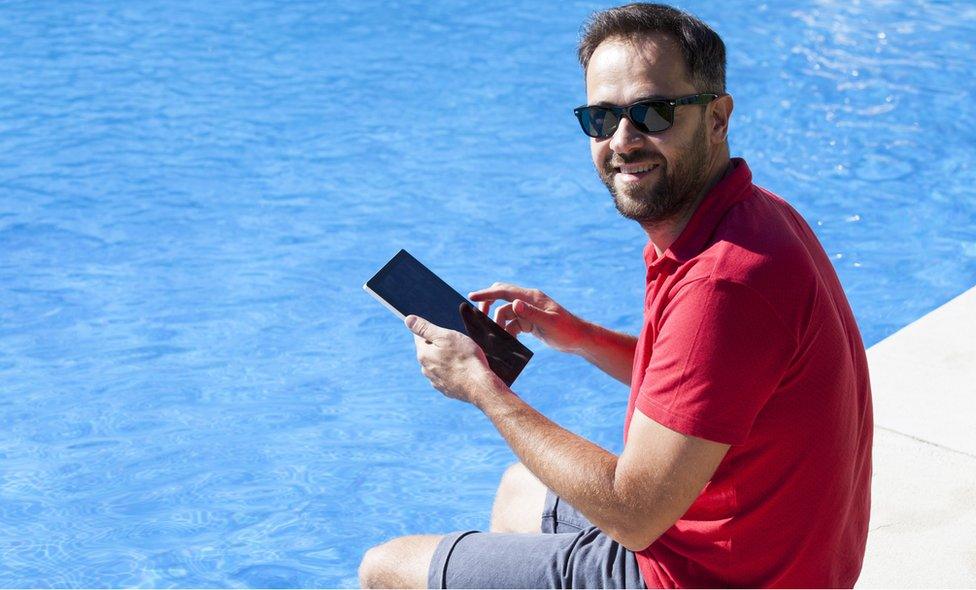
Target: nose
626	138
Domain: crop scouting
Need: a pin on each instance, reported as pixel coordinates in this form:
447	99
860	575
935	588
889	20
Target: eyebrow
605	103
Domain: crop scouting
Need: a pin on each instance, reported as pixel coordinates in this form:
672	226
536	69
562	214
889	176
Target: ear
720	113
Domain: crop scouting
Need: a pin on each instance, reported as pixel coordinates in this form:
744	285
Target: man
747	455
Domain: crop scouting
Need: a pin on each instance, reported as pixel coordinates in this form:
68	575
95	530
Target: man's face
652	177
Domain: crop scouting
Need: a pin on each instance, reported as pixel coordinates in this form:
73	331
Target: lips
634	172
636	168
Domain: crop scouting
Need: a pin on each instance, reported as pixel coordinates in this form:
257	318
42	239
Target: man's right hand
532	311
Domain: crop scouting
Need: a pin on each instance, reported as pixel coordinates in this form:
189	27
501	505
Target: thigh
585	559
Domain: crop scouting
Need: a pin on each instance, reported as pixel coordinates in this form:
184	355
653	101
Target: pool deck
923	517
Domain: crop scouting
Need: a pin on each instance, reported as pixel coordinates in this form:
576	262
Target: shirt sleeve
720	352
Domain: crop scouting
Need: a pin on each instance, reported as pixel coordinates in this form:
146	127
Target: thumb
419	326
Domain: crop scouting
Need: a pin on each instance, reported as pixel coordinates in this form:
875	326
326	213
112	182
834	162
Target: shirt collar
731	189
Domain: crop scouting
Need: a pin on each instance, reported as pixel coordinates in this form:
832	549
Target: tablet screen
407	287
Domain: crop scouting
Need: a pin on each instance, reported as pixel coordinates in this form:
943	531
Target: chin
643	208
635	195
629	208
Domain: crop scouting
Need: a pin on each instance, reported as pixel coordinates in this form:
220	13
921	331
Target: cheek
599	151
664	149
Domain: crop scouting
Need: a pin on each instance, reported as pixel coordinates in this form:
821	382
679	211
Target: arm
535	312
633	498
611	352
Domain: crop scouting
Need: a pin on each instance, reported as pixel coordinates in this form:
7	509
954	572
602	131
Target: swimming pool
195	390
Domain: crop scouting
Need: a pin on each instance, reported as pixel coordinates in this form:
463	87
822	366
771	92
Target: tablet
407	287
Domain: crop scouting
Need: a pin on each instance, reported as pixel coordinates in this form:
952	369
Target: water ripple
197	393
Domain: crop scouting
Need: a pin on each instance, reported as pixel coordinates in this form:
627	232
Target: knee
516	477
403	562
518	483
373	570
518	503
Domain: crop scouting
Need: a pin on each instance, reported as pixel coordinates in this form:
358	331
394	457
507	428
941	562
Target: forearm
612	352
579	471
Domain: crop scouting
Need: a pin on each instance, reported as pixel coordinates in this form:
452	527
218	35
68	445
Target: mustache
618	160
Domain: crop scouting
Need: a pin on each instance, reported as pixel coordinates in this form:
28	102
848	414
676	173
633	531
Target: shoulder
761	241
761	255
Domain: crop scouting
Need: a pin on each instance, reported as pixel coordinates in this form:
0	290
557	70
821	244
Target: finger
503	314
421	327
515	327
506	318
524	309
529	316
485	306
504	291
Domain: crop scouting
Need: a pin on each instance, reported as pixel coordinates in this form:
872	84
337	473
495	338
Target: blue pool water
195	391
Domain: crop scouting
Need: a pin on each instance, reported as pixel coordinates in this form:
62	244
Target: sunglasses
649	116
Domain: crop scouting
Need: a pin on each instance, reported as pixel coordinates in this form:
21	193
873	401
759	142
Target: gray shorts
570	553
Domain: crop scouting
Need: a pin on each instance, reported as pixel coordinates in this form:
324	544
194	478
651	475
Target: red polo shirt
748	340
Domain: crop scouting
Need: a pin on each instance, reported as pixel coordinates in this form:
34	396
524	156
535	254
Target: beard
680	182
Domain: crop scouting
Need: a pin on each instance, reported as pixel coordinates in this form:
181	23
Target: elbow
637	524
634	539
639	543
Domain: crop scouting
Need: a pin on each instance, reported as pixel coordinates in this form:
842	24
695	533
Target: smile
637	168
635	171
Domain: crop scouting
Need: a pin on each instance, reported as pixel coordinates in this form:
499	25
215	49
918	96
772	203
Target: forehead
621	71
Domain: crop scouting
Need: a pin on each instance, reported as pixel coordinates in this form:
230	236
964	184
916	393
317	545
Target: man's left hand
455	365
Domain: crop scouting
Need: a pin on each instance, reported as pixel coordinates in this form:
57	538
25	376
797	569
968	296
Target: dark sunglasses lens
598	122
588	121
610	122
655	116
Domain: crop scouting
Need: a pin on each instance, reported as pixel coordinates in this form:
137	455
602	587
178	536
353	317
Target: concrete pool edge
924	486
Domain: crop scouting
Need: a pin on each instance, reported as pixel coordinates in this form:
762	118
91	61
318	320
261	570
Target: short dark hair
702	48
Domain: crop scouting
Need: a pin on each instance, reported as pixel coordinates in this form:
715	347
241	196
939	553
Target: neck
663	233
